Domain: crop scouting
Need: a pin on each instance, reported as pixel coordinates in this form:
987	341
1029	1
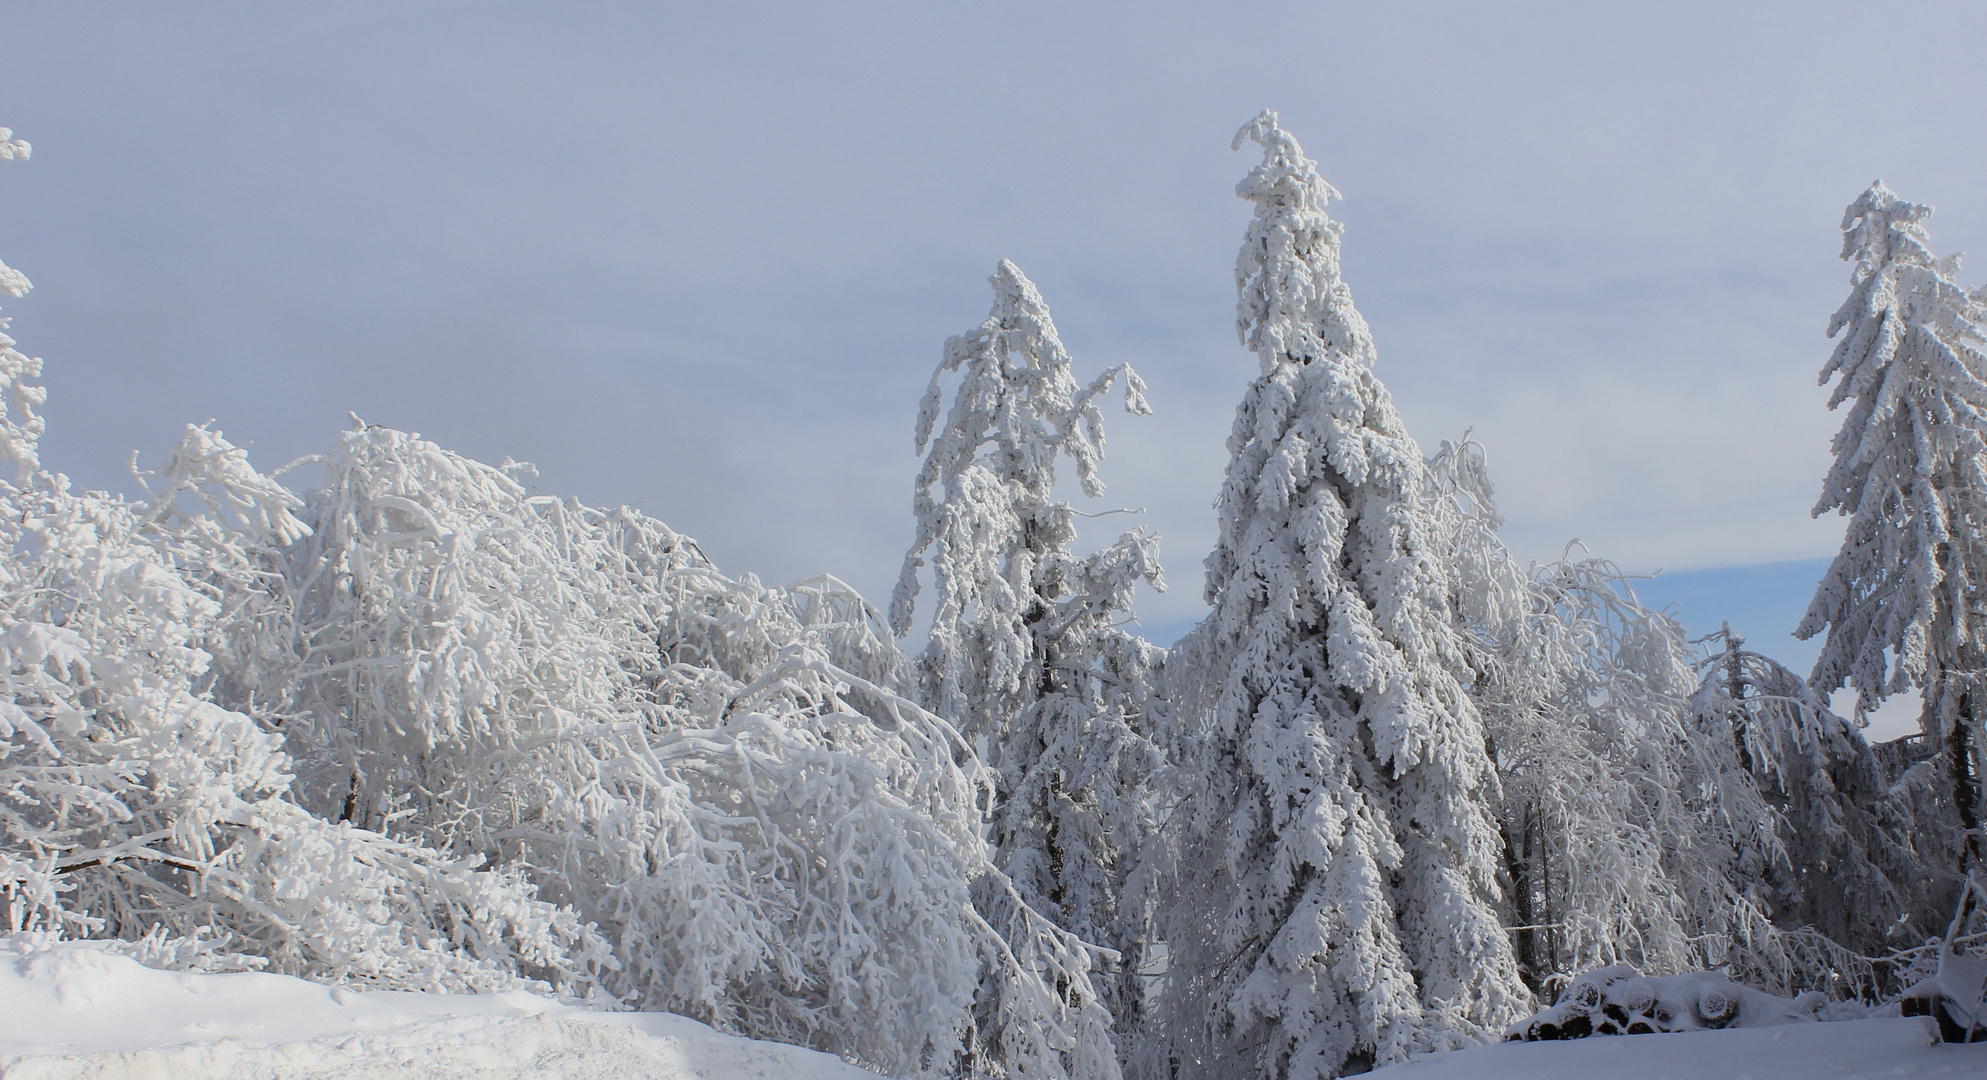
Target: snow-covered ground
1842	1050
74	1010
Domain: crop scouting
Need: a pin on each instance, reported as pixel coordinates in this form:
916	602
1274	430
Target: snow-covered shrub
133	804
1954	995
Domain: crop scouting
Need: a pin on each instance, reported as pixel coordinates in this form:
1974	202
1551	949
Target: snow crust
79	1010
1796	1051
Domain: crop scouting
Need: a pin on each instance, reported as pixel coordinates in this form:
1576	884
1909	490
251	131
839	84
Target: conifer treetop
1908	467
1292	307
20	426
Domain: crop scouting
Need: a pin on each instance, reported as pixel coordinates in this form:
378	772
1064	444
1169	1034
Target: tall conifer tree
1346	822
1025	653
1899	600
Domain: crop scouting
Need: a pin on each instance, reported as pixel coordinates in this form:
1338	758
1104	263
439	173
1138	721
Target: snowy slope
1810	1051
74	1010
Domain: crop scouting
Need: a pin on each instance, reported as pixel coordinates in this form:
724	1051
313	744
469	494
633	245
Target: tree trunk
1960	751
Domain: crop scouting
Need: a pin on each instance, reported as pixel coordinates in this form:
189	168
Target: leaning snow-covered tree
1632	832
1025	652
1576	679
1647	818
1862	868
1899	602
1342	906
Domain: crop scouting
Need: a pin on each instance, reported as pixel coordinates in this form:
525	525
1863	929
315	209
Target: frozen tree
1629	837
1025	651
1339	901
985	505
134	805
1077	765
1898	601
1862	869
1572	677
1634	833
723	777
421	728
19	426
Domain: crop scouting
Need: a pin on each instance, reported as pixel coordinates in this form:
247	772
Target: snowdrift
78	1009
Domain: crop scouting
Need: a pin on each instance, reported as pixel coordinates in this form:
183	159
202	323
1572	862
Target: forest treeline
418	727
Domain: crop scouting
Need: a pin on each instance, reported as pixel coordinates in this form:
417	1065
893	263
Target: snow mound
1845	1049
79	1010
1616	1001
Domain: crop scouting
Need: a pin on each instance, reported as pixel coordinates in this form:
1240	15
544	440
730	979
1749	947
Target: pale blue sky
702	258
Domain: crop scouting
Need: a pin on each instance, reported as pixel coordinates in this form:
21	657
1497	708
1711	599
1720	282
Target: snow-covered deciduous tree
420	728
1862	869
1899	602
1574	678
134	805
1025	651
1660	820
1627	835
723	777
1346	907
1633	832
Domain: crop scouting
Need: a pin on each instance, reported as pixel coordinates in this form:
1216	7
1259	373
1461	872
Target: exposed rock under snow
1844	1050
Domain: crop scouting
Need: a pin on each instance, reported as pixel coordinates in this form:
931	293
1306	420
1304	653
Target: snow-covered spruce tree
723	776
134	806
1024	652
1342	905
1862	870
1909	475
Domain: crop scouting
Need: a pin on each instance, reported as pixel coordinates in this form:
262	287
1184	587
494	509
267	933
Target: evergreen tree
1898	601
1341	905
1025	652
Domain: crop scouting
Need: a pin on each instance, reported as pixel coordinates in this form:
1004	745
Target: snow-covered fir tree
1899	601
1338	897
1025	652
